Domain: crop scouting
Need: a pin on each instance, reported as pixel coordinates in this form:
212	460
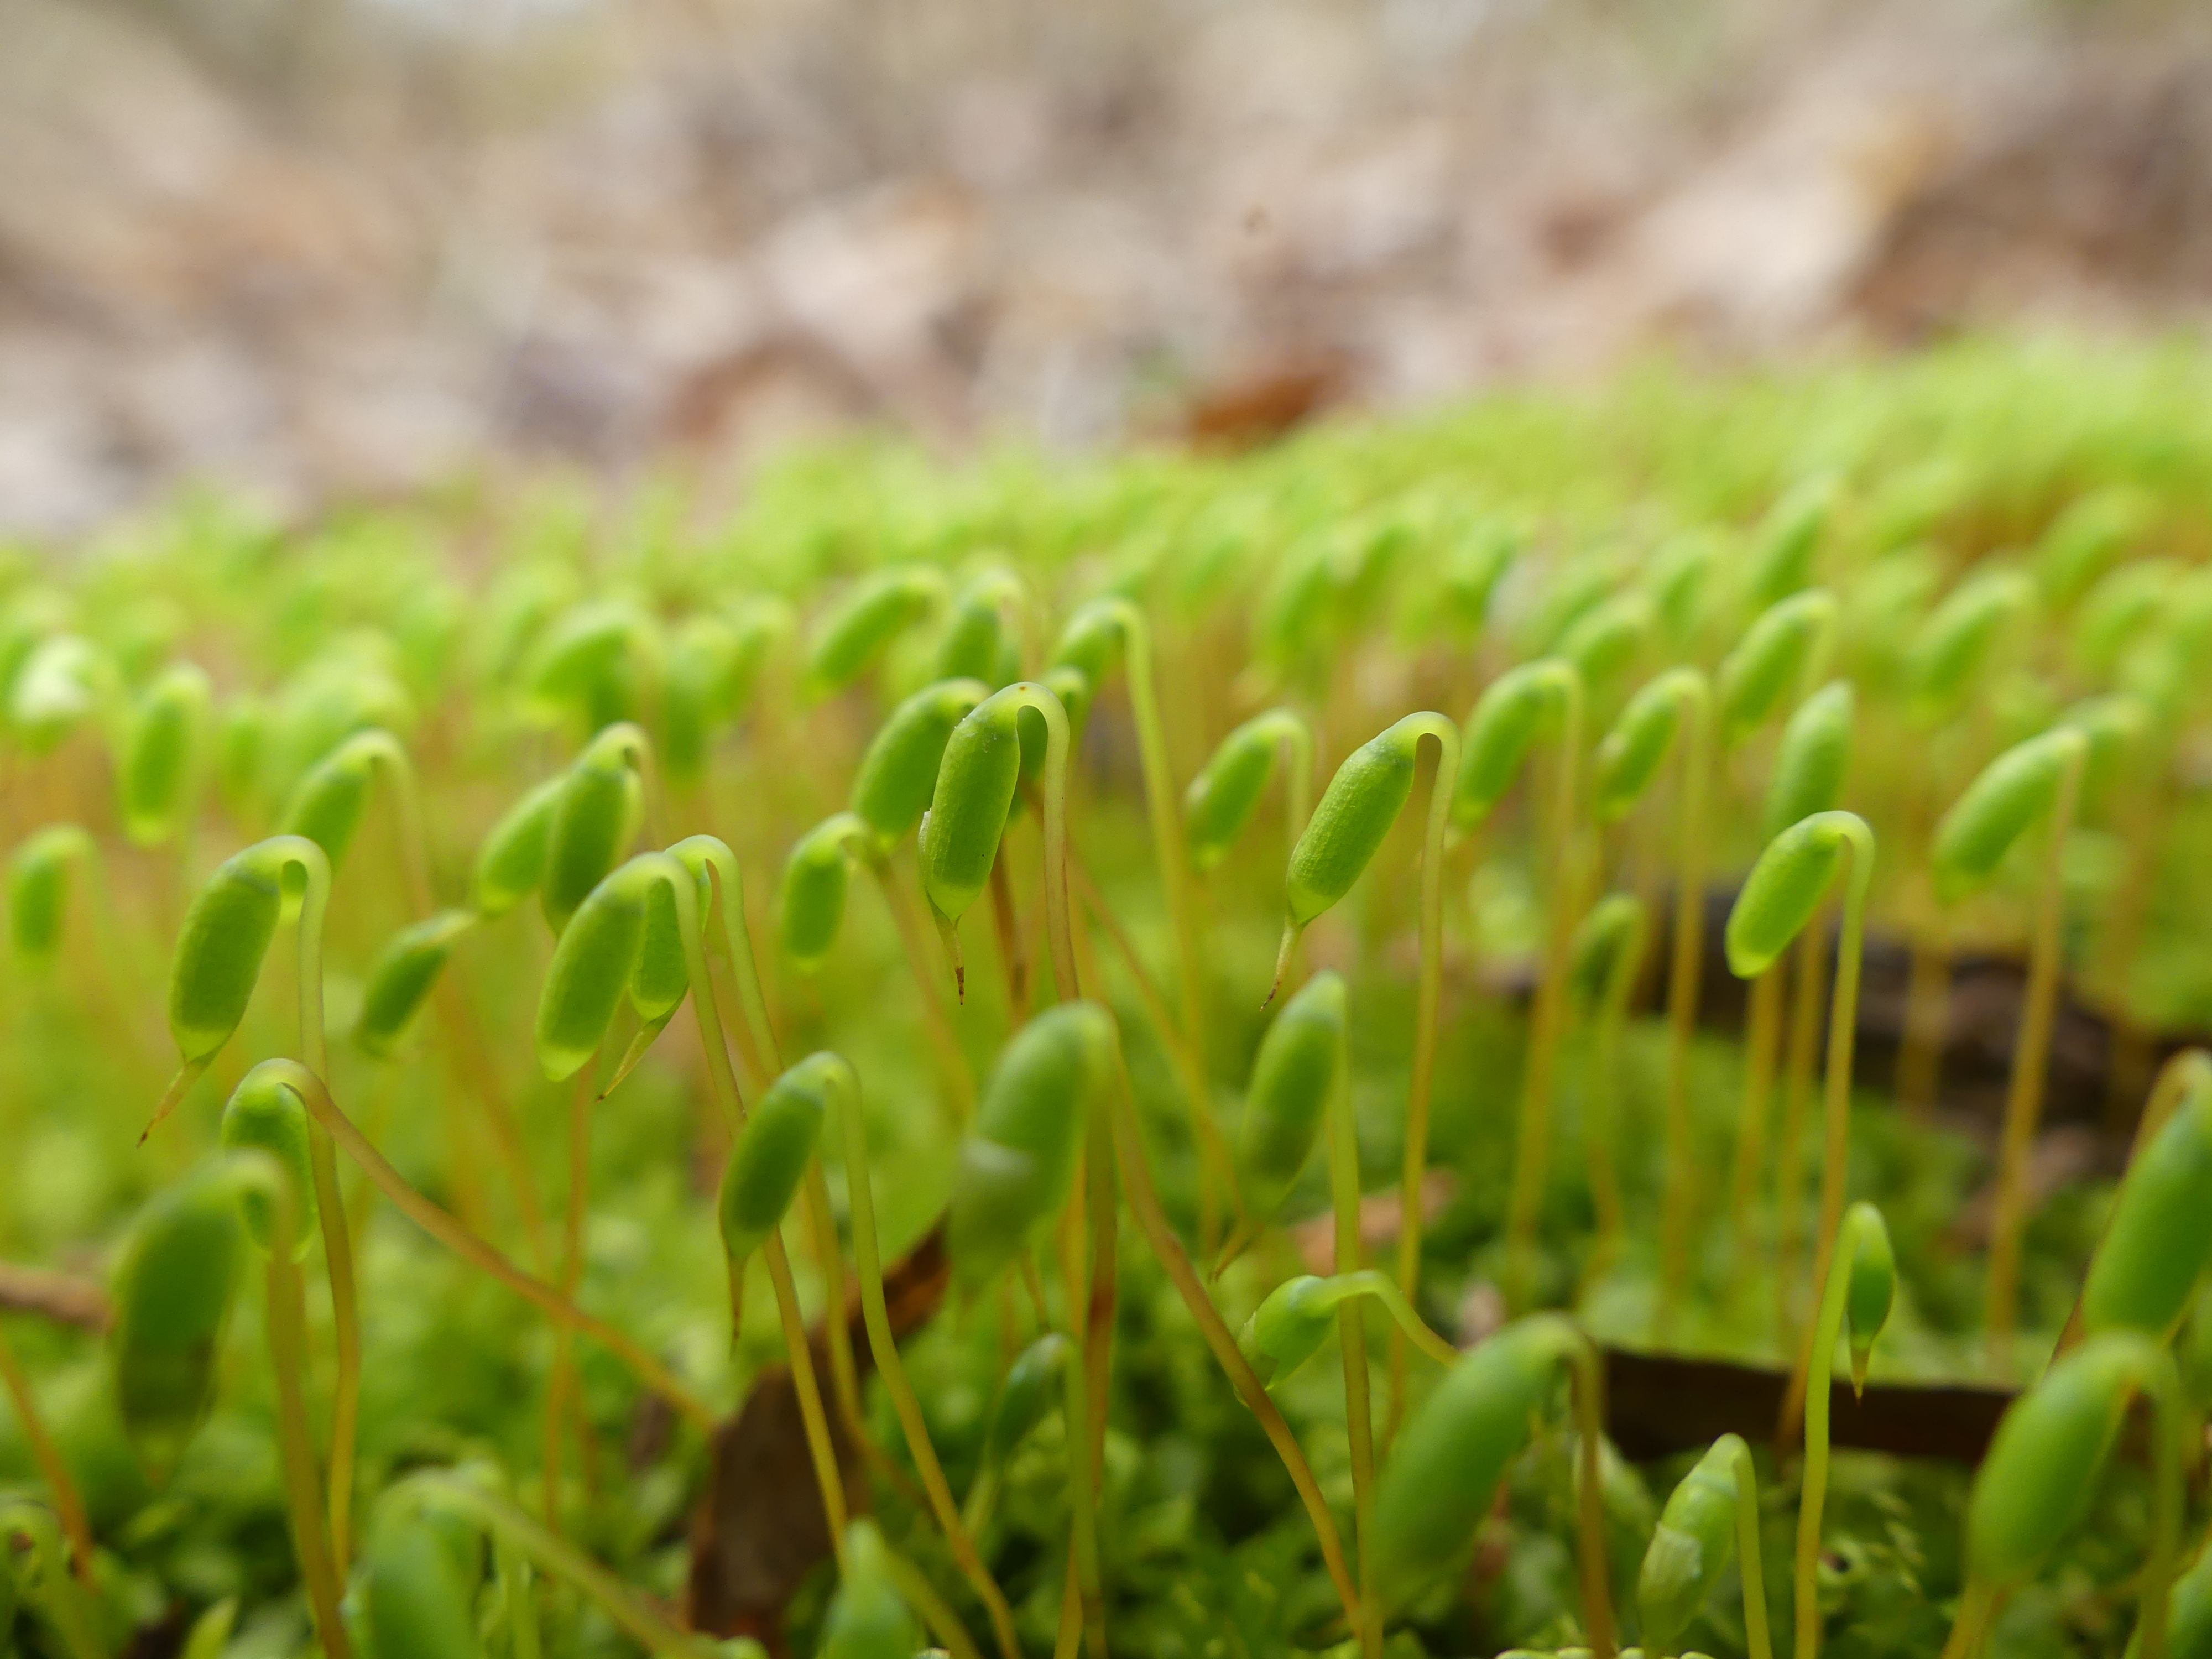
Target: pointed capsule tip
1290	931
172	1097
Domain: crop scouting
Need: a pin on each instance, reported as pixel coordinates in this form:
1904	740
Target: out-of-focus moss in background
335	247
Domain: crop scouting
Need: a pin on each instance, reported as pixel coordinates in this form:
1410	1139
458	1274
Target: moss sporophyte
1083	1255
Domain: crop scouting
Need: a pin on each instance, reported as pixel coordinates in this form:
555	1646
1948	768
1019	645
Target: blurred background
342	248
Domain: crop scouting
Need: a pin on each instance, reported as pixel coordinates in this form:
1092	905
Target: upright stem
821	1450
330	1201
582	1094
1532	1147
1145	1202
1971	1629
1927	993
1589	1377
69	1503
1810	984
1060	931
1083	1494
1836	1101
884	1346
1685	965
1750	1556
1351	1327
2031	1060
1163	809
1826	1327
1604	1098
1428	995
1762	1045
288	1355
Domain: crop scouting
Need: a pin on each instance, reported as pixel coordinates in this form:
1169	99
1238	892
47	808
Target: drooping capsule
1019	1156
265	1114
38	889
401	977
897	774
594	818
162	756
511	859
1299	1067
172	1299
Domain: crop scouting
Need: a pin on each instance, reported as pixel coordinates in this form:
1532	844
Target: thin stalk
1351	1329
1013	953
1059	924
1970	1631
1144	1203
820	1448
329	1200
1926	997
582	1095
892	1369
1810	984
1750	1556
560	1559
1828	1326
651	1374
913	1586
1684	966
1164	811
287	1357
1762	1045
1428	995
1531	1143
1083	1495
2031	1062
69	1503
1590	1553
1836	1096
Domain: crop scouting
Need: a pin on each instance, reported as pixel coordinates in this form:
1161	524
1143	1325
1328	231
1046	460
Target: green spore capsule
2119	610
162	754
1868	1290
1787	885
1680	580
401	978
511	860
1298	1069
1783	648
265	1114
2156	1244
1787	542
1289	1326
861	628
2040	1475
38	891
1516	709
1443	1475
592	661
1356	811
771	1155
1961	637
1812	759
695	696
2084	540
593	964
811	901
241	755
329	802
1697	1534
1032	1392
1221	798
172	1299
60	685
1019	1159
1628	758
1604	641
1607	949
974	789
1093	640
594	819
2012	793
227	934
415	1604
976	644
868	1619
897	775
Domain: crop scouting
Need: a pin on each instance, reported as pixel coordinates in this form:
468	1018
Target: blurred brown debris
349	247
